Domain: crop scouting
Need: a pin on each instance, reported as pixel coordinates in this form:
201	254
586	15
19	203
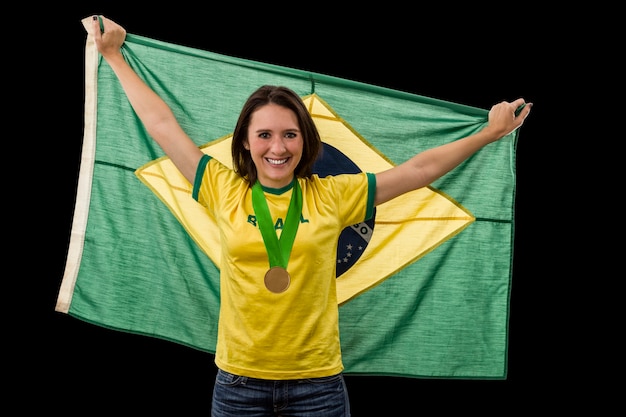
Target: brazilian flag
423	287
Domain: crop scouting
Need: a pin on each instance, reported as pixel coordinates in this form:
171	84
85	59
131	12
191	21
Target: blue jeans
238	396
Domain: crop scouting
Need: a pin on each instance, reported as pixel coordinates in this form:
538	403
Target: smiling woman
285	326
274	143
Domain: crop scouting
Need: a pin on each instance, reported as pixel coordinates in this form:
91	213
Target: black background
463	56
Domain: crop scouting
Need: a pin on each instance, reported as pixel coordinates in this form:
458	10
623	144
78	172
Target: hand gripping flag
423	288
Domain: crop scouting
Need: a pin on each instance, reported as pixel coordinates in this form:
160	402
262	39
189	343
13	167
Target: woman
278	350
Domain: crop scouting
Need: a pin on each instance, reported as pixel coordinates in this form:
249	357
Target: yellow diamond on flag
406	228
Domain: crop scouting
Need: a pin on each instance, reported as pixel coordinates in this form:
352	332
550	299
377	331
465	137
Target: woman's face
275	144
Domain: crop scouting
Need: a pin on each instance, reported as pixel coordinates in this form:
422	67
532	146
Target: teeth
276	161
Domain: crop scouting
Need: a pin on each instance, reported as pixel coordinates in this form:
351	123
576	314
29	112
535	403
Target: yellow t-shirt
293	334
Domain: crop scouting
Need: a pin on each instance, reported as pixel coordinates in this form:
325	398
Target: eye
264	135
291	135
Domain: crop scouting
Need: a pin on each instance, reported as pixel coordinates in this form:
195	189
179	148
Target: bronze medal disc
277	279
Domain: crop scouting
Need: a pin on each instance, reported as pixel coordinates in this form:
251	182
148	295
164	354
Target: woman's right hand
111	39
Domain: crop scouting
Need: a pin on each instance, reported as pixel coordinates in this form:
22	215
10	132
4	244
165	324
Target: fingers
98	26
522	110
517	103
518	107
109	36
100	22
506	116
95	26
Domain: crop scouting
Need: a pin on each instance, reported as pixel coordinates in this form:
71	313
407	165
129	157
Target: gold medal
277	279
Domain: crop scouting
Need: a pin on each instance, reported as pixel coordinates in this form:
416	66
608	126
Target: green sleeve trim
199	173
371	195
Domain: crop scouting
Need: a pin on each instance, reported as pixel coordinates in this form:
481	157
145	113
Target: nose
278	146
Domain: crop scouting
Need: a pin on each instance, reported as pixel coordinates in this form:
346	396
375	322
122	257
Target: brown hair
285	97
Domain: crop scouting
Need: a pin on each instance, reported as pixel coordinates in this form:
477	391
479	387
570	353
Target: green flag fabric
423	288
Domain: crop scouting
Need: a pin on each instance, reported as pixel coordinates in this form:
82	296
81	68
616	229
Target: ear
246	145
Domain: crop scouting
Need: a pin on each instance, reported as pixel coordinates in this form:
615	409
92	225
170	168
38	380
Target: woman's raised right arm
155	114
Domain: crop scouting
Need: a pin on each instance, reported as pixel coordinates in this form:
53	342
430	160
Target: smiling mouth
277	161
